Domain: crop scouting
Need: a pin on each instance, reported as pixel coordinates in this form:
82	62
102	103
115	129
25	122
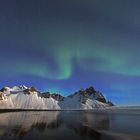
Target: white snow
17	99
75	102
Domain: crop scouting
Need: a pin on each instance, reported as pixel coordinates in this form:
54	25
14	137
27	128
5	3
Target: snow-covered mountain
22	97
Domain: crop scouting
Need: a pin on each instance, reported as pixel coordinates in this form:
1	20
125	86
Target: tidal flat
120	124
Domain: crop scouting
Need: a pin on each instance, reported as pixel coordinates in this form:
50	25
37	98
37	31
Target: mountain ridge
22	97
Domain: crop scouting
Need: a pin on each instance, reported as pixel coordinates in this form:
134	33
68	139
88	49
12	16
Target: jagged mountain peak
89	93
20	87
55	96
30	98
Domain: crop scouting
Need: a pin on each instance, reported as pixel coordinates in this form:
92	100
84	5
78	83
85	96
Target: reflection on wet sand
18	124
96	120
56	125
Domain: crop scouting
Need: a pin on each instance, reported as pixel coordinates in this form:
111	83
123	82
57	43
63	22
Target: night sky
65	45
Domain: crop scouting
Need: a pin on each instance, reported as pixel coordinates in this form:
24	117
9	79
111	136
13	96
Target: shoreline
102	110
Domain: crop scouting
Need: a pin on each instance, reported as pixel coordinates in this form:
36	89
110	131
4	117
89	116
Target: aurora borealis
65	45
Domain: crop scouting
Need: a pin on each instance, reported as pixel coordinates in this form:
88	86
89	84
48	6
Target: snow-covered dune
21	97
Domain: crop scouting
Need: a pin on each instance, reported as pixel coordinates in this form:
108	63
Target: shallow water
68	125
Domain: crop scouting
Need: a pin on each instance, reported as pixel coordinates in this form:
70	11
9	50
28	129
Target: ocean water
70	125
